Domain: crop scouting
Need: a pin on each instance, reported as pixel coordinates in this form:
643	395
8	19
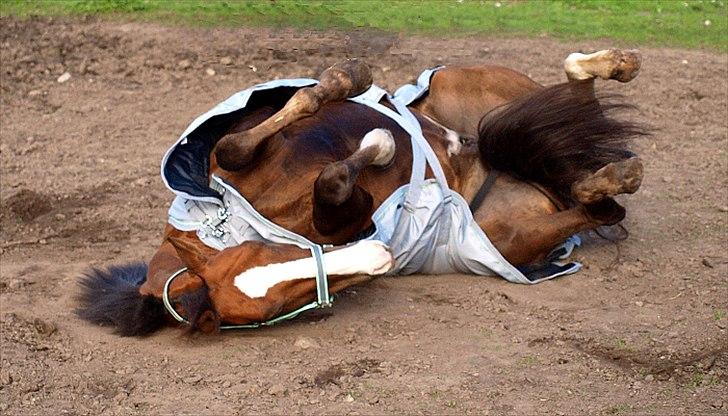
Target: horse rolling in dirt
410	183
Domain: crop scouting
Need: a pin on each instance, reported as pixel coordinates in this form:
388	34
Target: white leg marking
454	145
572	66
602	64
365	257
383	139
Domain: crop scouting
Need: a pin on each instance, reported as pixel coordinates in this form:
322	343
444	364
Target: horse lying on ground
473	170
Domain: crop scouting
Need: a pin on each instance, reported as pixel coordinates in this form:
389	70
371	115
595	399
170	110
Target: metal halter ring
165	296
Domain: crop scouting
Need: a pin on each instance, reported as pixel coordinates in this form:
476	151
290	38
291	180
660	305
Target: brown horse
538	164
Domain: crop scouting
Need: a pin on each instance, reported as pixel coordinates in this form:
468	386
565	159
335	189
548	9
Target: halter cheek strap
323	298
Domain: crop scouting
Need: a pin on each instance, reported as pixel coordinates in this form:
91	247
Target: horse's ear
190	254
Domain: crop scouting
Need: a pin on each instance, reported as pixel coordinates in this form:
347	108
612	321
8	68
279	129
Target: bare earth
641	330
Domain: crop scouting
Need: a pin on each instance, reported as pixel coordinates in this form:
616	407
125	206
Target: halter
323	298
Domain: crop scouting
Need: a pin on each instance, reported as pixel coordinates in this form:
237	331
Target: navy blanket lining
187	168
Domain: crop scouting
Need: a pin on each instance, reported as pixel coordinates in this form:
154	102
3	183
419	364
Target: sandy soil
641	330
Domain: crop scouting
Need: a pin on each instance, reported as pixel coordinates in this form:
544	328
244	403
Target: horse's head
255	281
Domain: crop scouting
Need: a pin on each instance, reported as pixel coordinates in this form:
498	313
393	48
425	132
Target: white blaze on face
365	257
384	141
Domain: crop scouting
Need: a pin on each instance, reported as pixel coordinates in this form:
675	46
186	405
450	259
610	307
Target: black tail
554	135
111	297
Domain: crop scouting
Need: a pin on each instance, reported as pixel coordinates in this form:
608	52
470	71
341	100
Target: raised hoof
383	141
334	185
347	79
626	64
234	152
607	64
623	177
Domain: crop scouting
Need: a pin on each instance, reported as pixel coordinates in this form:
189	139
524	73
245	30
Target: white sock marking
572	66
574	69
365	257
383	139
454	145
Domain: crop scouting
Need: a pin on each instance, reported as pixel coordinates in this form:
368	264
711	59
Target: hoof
626	64
235	152
334	185
383	140
617	64
347	79
623	177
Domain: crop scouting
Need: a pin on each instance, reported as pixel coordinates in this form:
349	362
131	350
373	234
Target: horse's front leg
341	207
342	80
622	177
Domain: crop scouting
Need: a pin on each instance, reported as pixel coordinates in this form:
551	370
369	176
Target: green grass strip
690	24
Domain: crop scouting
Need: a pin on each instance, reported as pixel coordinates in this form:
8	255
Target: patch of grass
527	361
622	345
701	379
718	315
697	379
439	395
435	394
692	23
619	409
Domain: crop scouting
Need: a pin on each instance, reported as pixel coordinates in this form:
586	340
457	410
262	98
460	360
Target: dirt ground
641	330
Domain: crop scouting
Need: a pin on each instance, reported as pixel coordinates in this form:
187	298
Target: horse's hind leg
528	240
607	64
336	182
338	201
622	177
345	79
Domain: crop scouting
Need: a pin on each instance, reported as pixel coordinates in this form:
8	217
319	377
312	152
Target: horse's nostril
208	322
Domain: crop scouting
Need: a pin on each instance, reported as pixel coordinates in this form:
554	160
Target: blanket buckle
214	224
